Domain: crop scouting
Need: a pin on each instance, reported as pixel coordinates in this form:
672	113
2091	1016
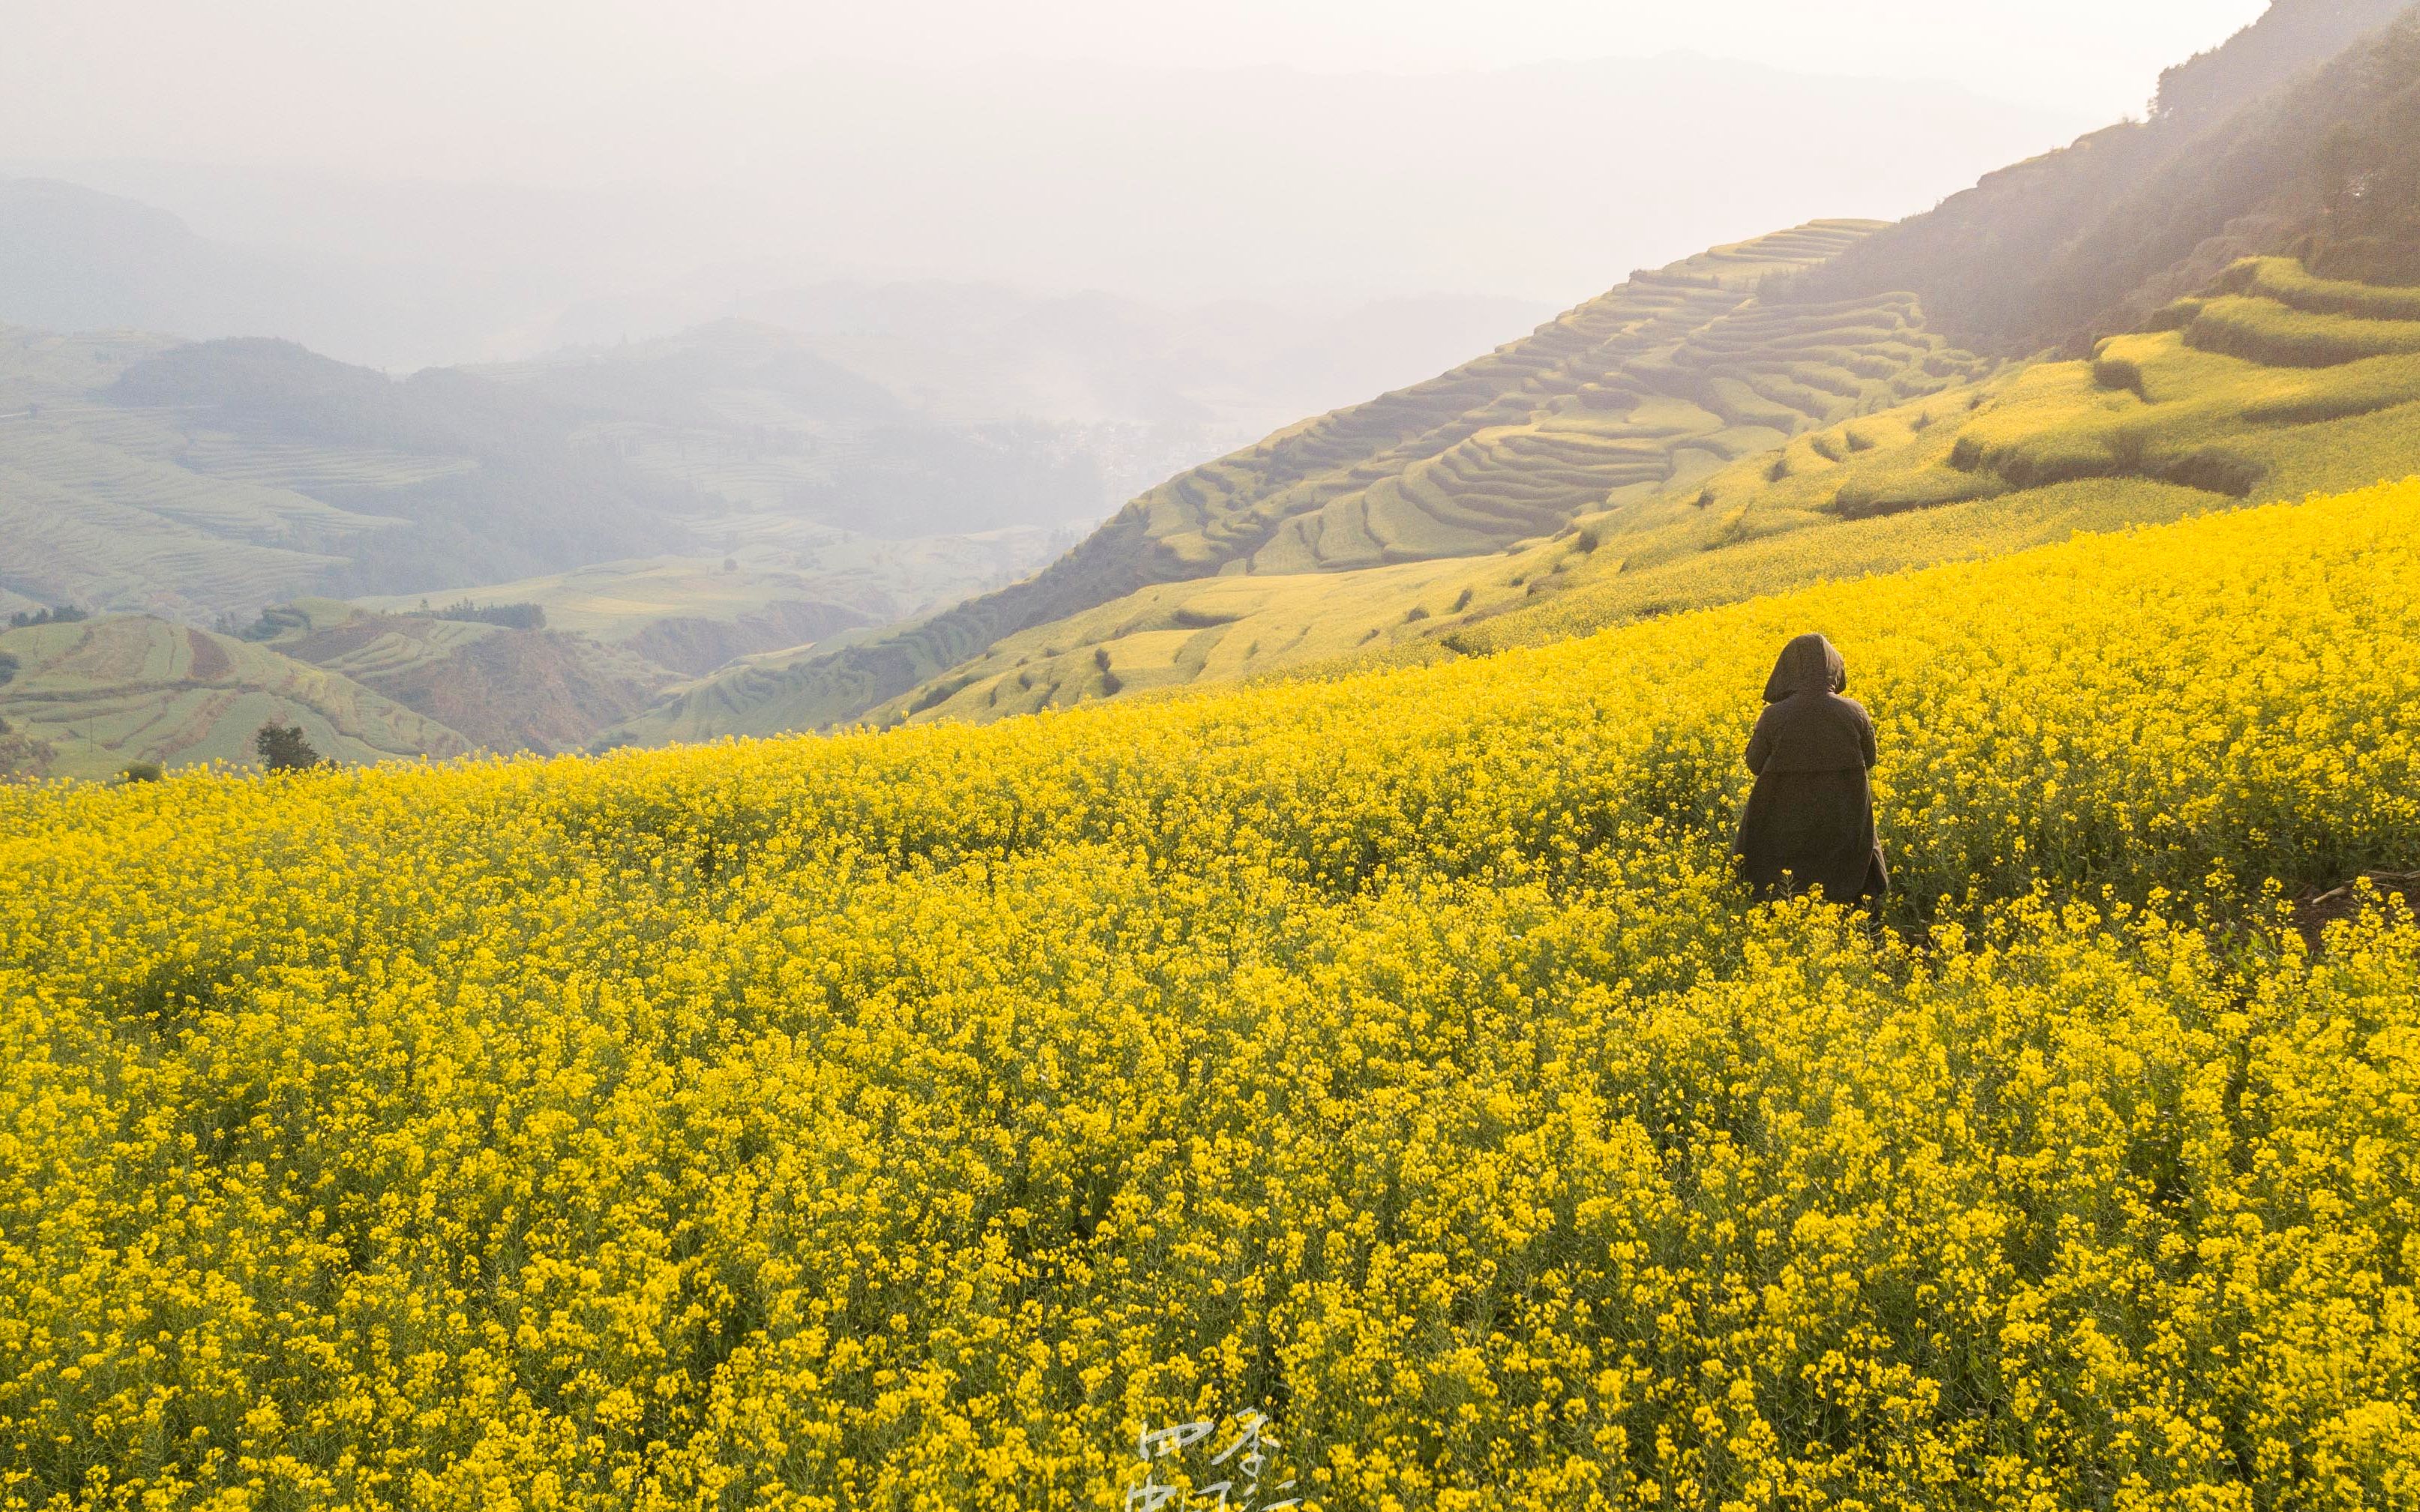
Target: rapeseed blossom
914	1119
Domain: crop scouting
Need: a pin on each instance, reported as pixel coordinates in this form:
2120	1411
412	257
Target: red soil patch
211	661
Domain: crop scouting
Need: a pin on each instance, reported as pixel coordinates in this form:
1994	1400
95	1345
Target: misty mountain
987	352
73	259
1166	187
194	480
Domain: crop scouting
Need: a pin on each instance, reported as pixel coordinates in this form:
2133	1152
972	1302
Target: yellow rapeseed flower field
917	1120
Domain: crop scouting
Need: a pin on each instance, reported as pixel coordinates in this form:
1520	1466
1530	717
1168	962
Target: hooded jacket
1809	821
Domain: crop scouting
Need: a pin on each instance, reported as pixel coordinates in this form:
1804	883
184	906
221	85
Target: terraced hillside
102	692
127	687
503	689
126	507
1658	383
692	614
2274	386
2277	385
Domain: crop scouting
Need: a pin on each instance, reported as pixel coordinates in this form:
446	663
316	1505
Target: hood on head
1810	664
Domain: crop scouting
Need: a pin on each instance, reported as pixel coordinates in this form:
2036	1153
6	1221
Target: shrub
511	616
284	748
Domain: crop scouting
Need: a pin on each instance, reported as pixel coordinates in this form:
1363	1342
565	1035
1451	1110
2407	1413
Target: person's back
1810	821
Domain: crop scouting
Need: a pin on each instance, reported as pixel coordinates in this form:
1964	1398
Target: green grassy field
125	688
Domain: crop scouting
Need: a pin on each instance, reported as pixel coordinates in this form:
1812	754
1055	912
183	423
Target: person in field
1810	821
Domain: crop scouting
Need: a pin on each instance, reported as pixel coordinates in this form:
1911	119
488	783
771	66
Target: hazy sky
412	85
492	164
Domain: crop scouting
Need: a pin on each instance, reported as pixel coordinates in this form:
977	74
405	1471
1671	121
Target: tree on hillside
23	758
283	748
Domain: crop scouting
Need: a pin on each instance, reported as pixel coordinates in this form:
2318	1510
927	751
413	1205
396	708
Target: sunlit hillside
692	614
921	1118
2242	220
2269	390
2275	385
1660	382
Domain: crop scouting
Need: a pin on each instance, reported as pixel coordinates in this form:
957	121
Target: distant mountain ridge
2296	136
74	259
199	479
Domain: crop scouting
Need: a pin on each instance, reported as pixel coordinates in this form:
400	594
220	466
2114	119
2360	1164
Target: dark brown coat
1810	821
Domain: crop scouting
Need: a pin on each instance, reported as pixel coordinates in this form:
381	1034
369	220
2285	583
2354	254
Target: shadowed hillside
2300	135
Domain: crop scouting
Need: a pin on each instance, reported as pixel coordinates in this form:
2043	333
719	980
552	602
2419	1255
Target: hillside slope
127	687
2237	379
2299	136
2275	384
1660	381
499	688
197	480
